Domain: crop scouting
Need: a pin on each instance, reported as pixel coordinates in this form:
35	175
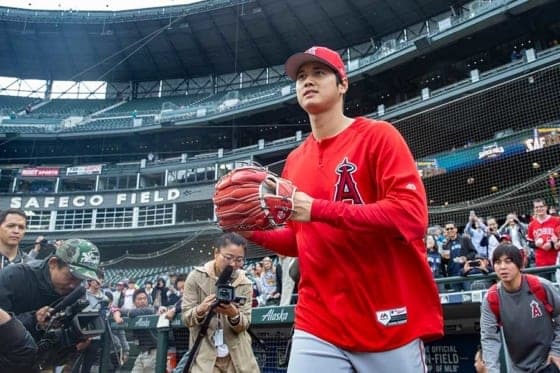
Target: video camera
68	326
48	244
225	293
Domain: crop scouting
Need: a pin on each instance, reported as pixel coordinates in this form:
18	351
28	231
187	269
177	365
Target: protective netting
493	150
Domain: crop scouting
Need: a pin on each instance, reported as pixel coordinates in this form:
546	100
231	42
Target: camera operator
13	224
30	290
226	347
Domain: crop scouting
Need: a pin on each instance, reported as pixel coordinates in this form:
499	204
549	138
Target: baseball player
367	300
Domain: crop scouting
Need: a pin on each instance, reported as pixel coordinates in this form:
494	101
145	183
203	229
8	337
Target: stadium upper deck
207	38
453	93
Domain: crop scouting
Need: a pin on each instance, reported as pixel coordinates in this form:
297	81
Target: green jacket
200	283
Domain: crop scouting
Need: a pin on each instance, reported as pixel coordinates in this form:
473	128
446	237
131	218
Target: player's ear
343	86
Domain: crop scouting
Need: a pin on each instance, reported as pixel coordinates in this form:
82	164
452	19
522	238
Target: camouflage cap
82	257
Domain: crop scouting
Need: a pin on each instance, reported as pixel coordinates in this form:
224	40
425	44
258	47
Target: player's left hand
302	207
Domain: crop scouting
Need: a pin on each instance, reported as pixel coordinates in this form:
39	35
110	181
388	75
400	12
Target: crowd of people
450	253
57	268
366	298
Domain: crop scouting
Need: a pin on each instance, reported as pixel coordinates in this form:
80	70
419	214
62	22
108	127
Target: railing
271	326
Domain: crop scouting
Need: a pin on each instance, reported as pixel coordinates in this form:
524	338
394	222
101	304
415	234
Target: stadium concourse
115	126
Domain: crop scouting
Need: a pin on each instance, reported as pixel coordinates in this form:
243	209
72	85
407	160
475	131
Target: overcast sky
92	4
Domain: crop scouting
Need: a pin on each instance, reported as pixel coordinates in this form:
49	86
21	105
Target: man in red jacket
367	300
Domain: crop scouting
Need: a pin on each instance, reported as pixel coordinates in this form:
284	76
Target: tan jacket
200	283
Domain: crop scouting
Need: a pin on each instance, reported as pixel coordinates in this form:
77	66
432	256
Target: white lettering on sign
96	200
63	201
273	315
148	196
142	323
79	201
443	358
534	144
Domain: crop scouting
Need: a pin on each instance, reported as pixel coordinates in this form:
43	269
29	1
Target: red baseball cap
505	237
319	54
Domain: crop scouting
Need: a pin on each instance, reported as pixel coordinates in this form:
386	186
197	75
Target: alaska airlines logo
273	315
346	188
142	323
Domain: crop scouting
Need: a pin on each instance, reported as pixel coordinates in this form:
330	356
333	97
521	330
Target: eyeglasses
449	228
231	258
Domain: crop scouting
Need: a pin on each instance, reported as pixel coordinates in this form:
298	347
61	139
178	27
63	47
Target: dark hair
510	251
148	282
433	238
60	264
137	292
451	222
180	277
5	213
229	239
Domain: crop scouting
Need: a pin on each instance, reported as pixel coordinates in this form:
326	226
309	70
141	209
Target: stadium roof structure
212	37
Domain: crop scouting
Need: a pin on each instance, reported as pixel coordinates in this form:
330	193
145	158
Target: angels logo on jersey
535	310
346	189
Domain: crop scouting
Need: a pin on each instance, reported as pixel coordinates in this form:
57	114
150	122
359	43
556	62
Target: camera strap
219	334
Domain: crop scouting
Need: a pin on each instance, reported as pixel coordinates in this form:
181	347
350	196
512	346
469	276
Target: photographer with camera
226	345
34	293
479	265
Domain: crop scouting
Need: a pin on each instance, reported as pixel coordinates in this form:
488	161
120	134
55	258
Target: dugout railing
271	329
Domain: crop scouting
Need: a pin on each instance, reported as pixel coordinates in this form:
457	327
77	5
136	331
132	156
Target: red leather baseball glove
251	198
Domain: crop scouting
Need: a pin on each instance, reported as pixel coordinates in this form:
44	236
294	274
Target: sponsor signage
94	169
542	138
453	353
273	315
143	322
428	167
96	200
491	151
40	171
478	154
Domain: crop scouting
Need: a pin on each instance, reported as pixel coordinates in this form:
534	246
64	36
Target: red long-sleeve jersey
543	230
365	283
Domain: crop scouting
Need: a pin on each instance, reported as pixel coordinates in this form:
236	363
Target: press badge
219	337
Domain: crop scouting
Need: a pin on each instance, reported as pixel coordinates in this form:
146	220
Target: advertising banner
476	154
103	200
40	171
94	169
